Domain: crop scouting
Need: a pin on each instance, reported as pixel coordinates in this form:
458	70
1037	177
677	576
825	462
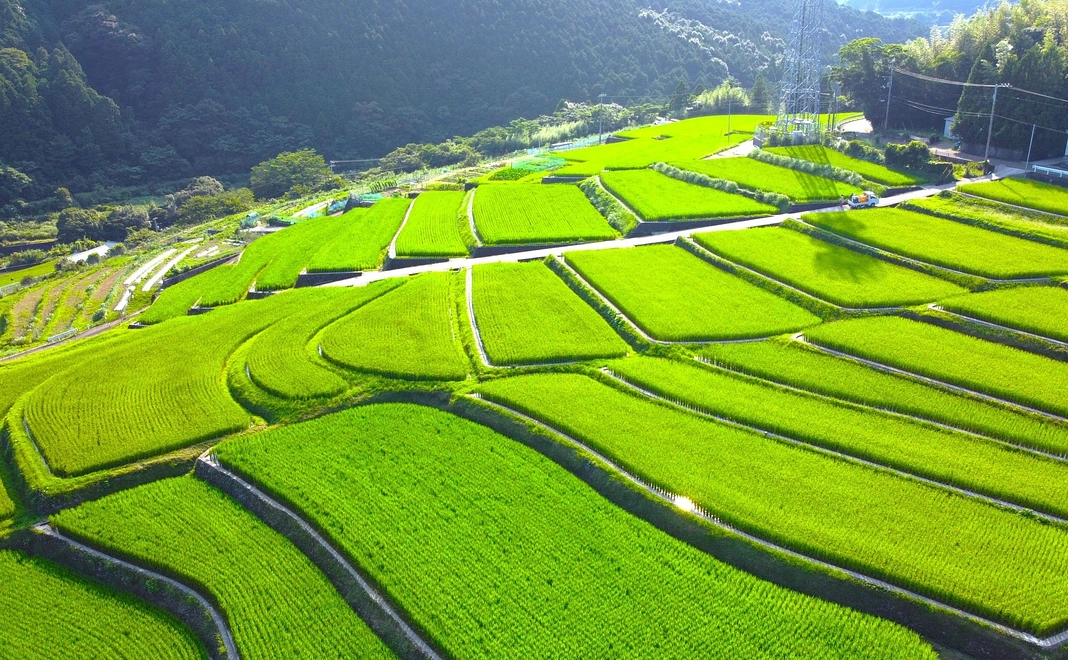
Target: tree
680	98
75	224
211	207
121	221
279	175
12	182
759	97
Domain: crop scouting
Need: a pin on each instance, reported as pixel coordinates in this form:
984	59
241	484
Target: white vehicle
864	200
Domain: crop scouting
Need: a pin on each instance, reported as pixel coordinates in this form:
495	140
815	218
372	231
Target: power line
958	83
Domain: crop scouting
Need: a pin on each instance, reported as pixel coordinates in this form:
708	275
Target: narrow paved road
527	255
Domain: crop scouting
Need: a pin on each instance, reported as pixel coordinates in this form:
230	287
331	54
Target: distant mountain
123	91
934	12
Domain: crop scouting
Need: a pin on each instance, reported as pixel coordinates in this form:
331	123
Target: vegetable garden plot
803	367
870	171
1041	310
1022	192
986	560
981	366
800	187
407	333
155	392
986	212
280	361
675	296
425	502
835	274
527	315
362	244
537	214
655	196
276	601
50	612
960	460
946	243
433	227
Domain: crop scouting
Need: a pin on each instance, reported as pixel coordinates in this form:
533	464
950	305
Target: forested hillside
1023	45
123	92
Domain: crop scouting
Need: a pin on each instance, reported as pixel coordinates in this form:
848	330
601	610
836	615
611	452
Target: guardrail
66	334
1050	171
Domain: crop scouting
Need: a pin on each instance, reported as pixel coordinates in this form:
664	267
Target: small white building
948	132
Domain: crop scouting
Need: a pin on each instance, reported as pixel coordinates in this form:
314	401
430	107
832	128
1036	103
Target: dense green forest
1024	45
124	93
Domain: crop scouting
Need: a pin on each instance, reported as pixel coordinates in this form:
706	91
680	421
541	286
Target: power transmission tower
799	98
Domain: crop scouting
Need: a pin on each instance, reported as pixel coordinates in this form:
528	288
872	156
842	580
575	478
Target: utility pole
730	97
889	91
600	129
1027	165
990	129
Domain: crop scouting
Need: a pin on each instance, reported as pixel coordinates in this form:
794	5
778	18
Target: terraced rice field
174	301
655	196
692	139
674	296
543	214
132	399
14	276
961	551
527	315
362	244
981	466
835	274
303	240
1042	310
50	612
280	359
986	213
407	333
946	243
800	366
1022	192
424	502
7	502
979	365
870	171
752	174
276	602
433	228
